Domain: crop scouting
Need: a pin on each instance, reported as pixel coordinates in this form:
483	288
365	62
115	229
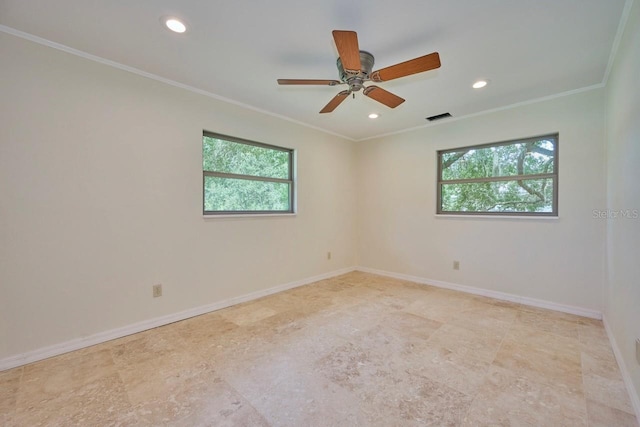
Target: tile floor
356	350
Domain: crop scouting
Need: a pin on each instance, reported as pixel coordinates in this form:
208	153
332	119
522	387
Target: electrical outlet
638	350
157	291
456	265
328	255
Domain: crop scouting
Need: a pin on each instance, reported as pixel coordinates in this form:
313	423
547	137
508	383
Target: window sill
230	216
525	217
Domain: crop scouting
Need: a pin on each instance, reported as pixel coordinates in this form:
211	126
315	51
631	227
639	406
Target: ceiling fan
354	69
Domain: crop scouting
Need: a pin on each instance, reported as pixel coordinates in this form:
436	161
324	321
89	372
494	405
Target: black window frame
552	175
290	180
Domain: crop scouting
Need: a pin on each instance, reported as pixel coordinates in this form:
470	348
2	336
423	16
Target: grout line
246	400
586	404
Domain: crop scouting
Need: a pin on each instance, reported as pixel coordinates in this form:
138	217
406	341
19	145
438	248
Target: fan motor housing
355	81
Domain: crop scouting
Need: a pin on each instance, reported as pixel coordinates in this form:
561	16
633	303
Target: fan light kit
479	84
373	116
354	69
175	25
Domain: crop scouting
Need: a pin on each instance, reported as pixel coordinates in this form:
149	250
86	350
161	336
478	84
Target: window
245	177
517	177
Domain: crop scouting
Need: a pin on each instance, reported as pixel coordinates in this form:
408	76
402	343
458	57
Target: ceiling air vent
439	117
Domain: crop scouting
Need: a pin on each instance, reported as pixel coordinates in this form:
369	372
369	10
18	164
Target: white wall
622	310
100	198
555	260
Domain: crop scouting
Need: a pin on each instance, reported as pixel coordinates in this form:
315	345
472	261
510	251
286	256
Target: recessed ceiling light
373	116
479	84
175	25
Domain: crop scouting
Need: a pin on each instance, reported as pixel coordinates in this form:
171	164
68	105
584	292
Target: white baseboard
633	393
579	311
78	343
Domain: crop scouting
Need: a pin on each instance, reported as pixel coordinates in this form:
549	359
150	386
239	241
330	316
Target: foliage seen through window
514	177
245	177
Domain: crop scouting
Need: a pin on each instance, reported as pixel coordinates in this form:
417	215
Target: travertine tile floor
356	350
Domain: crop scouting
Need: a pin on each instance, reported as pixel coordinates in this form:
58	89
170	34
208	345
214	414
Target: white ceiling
528	49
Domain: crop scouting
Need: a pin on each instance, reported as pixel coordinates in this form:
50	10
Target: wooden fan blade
347	44
335	101
308	82
407	68
383	96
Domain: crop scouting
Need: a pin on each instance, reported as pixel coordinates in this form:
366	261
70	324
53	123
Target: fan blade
347	44
335	101
407	68
308	82
383	96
